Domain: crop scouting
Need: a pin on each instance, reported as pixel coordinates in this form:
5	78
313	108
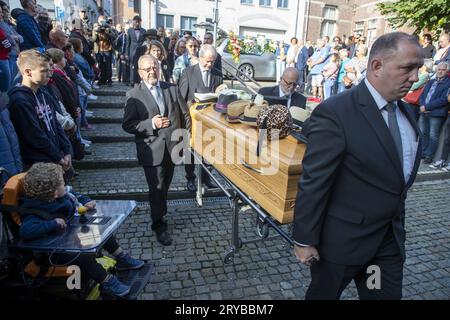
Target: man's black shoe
211	184
191	185
164	238
427	160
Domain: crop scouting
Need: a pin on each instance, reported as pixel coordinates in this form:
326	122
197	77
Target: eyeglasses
149	69
289	84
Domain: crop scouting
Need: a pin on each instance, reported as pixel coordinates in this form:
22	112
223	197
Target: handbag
413	97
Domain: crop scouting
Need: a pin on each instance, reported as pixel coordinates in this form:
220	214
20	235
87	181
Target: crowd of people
328	68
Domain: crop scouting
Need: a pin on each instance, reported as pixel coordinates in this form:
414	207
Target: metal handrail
238	78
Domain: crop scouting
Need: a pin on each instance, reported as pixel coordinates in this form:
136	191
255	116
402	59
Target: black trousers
123	67
329	279
105	63
190	171
158	180
87	262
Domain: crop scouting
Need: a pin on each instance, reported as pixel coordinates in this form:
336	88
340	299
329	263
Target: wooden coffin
270	179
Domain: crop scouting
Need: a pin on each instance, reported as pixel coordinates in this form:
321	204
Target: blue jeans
83	104
341	87
5	76
430	128
328	87
13	65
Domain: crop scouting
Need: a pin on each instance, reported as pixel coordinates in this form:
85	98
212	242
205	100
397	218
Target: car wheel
246	72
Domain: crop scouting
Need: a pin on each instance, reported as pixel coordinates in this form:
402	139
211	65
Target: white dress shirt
152	89
284	95
407	133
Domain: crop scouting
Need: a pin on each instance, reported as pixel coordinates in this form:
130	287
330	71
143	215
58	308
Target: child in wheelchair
44	190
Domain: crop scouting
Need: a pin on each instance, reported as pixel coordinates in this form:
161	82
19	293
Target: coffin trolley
266	180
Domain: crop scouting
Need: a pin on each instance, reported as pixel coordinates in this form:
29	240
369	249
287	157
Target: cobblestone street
193	267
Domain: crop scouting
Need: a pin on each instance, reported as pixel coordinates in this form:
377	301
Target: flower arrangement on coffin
234	46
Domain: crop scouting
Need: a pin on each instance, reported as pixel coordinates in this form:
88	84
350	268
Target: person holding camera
104	37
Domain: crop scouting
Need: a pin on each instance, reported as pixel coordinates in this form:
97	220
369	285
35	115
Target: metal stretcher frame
235	196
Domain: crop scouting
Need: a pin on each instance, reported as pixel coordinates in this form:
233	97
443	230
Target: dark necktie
394	129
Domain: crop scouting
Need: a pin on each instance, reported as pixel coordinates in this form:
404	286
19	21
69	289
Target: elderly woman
433	111
156	49
356	68
189	58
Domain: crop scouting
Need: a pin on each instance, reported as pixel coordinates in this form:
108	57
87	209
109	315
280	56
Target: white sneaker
86	142
437	164
95	86
92	97
89	113
446	168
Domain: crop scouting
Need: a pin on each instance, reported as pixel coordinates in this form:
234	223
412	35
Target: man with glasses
153	111
286	89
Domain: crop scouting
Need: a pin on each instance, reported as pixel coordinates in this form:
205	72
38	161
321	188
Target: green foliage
433	15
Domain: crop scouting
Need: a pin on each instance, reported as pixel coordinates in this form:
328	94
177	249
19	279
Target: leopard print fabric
276	119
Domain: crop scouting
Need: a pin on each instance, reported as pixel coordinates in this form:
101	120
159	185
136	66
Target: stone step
106	116
117	89
107	104
129	183
426	173
108	156
107	132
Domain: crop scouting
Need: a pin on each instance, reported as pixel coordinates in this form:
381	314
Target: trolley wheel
229	256
262	229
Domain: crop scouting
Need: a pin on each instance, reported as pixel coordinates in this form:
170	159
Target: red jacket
5	45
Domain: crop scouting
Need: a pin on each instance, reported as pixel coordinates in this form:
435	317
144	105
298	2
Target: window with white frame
372	31
246	1
264	3
328	27
187	24
359	28
330	13
164	20
282	4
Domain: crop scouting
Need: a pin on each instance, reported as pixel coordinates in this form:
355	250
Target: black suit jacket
191	81
297	99
140	108
352	189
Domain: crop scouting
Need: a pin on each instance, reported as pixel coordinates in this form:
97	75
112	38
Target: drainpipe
306	21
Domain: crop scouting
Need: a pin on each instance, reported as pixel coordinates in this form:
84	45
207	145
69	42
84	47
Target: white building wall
275	23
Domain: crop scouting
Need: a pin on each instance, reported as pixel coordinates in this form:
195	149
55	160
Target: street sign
59	12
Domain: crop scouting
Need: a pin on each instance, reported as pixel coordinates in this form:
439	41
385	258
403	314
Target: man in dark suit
286	89
135	37
153	111
362	157
302	59
209	39
200	78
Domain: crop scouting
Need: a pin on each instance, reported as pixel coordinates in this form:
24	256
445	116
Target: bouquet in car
234	47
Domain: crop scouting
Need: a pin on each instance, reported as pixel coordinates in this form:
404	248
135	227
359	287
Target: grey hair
387	45
428	64
207	48
443	63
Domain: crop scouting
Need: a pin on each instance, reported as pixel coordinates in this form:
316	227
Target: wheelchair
30	274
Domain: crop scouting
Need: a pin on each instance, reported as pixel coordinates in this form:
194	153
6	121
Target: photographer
104	37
